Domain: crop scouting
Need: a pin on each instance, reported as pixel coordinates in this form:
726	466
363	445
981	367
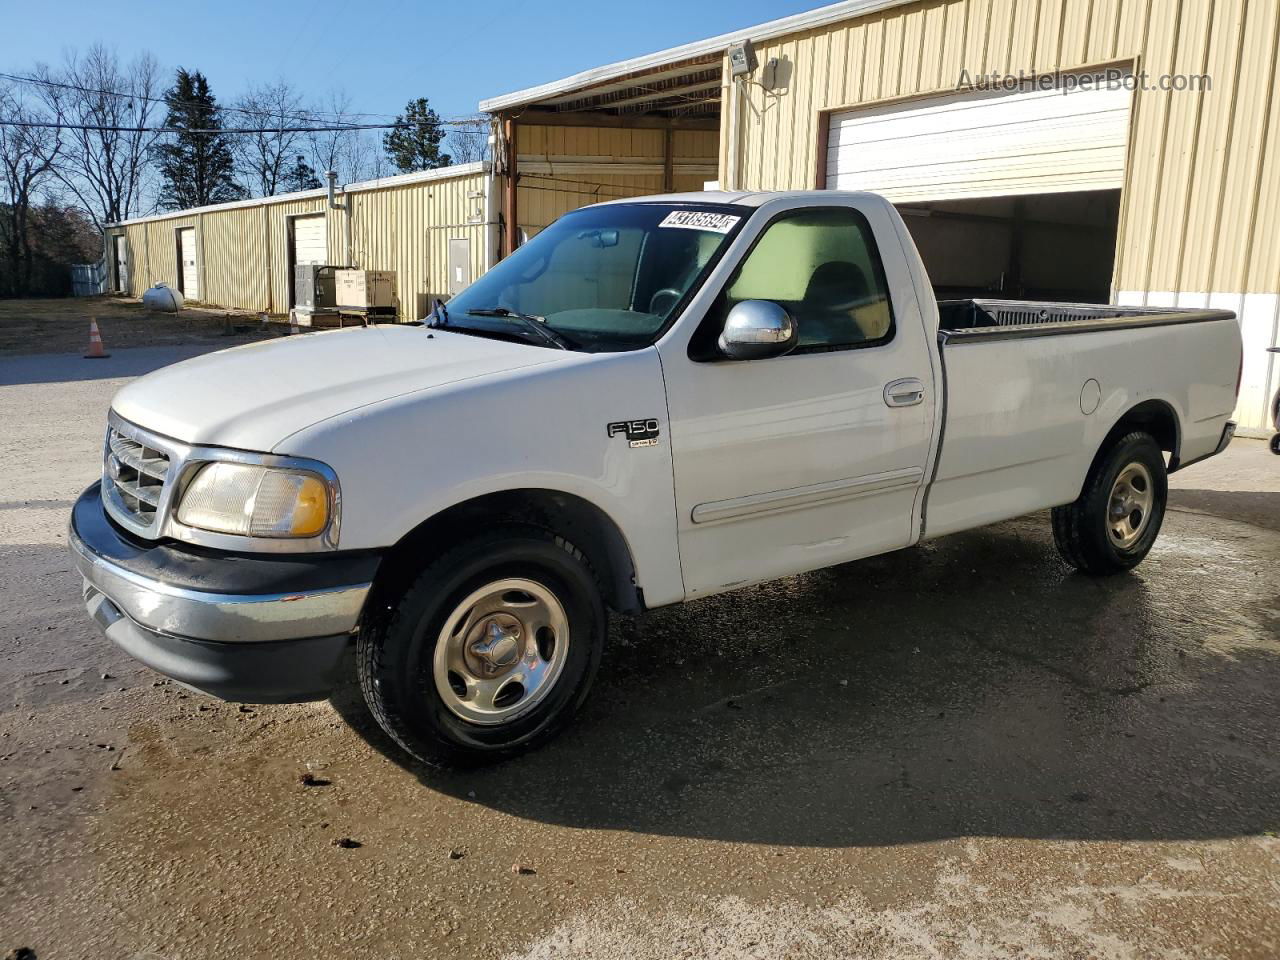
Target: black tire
395	648
1275	443
1082	529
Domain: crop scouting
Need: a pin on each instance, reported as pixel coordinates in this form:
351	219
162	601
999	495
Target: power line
310	117
306	117
105	128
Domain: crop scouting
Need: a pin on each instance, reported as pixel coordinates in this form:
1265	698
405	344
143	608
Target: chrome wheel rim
501	651
1129	507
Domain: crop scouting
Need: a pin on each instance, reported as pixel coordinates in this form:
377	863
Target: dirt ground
62	326
954	752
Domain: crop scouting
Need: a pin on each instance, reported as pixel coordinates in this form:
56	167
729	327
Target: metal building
1058	149
242	254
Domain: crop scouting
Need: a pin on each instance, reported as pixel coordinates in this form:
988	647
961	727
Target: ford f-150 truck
651	401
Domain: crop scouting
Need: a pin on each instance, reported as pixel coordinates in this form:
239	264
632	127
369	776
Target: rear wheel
1115	521
489	652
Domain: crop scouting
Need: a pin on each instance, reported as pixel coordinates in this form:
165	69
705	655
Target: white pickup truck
649	402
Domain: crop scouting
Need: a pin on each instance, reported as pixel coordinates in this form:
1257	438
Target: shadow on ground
974	686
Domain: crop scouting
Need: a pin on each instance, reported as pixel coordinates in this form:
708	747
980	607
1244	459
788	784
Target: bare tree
352	154
331	149
104	166
468	141
27	158
365	160
265	157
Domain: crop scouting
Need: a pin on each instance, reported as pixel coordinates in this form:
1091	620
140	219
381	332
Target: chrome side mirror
757	330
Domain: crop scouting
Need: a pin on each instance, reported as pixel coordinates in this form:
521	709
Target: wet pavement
960	750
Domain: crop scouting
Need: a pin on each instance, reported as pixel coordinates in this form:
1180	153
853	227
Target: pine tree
416	146
196	169
300	176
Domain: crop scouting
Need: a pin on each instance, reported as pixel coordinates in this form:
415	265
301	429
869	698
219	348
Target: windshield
602	278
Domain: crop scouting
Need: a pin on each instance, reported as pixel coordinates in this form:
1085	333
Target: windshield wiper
535	323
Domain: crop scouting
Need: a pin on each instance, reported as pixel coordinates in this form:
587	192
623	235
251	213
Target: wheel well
1154	417
579	521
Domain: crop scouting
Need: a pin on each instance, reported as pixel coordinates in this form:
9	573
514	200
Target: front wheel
491	650
1112	526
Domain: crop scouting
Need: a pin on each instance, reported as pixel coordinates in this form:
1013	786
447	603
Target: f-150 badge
640	433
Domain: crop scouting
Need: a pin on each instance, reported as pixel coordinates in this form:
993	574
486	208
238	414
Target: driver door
813	458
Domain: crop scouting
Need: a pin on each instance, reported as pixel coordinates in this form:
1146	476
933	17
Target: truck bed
1026	407
966	321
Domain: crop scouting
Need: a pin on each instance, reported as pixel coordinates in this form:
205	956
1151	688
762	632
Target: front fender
407	459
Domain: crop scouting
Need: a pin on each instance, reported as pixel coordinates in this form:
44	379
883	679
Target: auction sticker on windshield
700	220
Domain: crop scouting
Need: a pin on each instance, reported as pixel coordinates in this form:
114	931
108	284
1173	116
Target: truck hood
253	397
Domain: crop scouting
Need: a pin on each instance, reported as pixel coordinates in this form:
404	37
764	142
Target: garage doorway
120	261
1011	193
308	244
1058	246
188	271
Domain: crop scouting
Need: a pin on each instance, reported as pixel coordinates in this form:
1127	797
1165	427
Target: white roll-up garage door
309	243
190	271
983	144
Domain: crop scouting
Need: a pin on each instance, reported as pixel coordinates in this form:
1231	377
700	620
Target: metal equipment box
366	291
314	287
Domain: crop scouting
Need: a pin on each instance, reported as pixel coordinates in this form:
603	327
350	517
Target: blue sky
381	52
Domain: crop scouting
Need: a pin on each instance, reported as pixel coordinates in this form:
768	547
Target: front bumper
267	629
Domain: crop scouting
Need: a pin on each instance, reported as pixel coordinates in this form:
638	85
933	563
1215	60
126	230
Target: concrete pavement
962	750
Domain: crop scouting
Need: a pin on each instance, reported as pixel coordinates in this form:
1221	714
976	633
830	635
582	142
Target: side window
823	267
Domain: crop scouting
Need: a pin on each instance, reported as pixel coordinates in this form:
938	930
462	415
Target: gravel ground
62	325
957	751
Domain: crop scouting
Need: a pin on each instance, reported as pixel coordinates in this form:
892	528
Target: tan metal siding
244	255
545	196
1263	202
1257	111
1202	188
407	229
235	272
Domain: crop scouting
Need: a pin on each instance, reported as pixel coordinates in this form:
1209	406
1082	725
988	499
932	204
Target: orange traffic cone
95	343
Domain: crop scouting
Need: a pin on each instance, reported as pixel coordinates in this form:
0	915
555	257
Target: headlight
256	501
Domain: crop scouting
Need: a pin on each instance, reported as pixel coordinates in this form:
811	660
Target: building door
459	265
120	258
1012	194
984	143
188	272
309	242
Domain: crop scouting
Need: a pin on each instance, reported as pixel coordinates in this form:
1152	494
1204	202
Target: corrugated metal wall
407	229
243	251
1202	194
562	168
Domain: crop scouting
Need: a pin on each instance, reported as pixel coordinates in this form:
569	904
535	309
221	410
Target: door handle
903	393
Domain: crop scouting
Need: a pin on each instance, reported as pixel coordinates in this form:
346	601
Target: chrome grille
137	474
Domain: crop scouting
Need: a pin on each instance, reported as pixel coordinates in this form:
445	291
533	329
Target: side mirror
757	330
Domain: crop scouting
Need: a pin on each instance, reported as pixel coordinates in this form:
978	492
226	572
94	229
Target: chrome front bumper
223	617
264	630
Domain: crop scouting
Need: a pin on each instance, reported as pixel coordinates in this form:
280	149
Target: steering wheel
663	300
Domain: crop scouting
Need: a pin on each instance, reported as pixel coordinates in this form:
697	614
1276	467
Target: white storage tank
163	298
